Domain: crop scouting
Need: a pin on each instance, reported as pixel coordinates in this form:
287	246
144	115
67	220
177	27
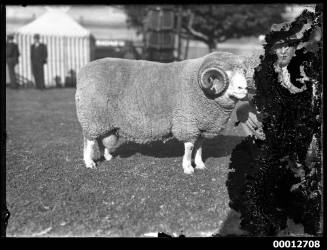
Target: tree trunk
212	46
187	48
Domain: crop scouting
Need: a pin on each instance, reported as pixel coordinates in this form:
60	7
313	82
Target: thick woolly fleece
145	101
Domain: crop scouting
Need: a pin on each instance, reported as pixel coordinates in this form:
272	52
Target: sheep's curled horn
213	80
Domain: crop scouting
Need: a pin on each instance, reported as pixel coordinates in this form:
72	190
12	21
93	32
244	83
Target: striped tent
70	46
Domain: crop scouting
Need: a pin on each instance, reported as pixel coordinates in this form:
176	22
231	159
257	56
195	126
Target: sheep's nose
245	88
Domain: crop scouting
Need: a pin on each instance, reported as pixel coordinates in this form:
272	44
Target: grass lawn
142	190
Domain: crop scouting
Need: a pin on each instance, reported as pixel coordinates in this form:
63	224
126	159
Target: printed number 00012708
296	243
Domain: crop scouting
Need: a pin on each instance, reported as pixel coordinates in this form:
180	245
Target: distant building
160	34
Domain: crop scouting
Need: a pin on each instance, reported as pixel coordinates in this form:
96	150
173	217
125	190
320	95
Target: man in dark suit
39	55
12	54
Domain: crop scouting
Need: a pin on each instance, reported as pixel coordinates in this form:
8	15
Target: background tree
213	24
136	15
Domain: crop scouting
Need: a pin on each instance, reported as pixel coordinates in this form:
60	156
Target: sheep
145	101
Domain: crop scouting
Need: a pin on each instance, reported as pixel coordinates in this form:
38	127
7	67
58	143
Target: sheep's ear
214	81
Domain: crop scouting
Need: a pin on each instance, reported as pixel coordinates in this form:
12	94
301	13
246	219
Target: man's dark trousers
12	54
38	72
12	73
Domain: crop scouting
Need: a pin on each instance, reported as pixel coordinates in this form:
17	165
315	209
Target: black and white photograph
162	120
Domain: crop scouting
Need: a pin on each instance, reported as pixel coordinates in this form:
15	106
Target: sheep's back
135	97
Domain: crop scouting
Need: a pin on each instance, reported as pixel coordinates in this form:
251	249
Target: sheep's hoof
200	165
108	156
90	164
188	170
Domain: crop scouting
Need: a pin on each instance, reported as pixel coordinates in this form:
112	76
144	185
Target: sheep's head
238	85
223	78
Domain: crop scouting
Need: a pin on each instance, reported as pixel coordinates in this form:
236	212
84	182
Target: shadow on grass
218	147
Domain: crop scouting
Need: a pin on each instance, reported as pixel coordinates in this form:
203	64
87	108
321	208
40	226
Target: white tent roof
55	22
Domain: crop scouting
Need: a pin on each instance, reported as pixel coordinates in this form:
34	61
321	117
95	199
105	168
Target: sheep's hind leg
199	164
187	164
89	153
109	142
101	148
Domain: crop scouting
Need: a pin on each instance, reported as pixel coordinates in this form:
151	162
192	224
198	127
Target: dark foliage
286	177
220	22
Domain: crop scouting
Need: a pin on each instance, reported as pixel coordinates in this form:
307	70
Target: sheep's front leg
187	164
199	164
89	153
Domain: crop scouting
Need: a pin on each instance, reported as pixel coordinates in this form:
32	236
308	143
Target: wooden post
186	48
179	24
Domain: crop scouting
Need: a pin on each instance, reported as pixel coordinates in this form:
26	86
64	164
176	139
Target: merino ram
145	101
